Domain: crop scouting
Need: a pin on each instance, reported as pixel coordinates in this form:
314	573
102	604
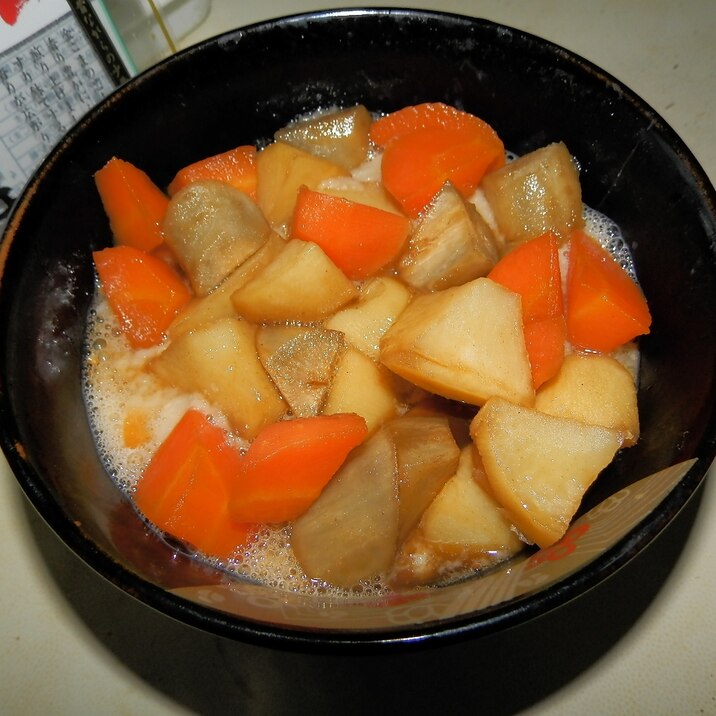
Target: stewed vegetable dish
377	353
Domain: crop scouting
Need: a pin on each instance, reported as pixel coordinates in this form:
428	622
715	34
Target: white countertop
643	643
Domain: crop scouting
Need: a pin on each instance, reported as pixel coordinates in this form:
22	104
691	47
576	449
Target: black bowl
239	88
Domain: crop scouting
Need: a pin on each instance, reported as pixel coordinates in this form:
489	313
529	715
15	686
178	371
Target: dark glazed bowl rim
505	615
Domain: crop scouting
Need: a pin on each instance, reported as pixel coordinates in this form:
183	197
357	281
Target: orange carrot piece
134	205
135	429
545	340
428	115
416	165
532	270
605	307
185	488
236	167
145	294
290	462
359	239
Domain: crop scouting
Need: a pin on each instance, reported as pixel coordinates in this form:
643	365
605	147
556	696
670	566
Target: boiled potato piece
539	466
340	136
451	244
281	170
364	323
463	529
372	193
302	366
596	389
219	361
301	284
217	304
427	456
212	228
350	532
361	386
465	343
536	193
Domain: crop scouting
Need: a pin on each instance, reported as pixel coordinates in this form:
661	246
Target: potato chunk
462	529
362	386
302	365
340	136
281	171
364	323
212	228
596	389
539	466
536	193
219	361
452	244
301	284
465	343
350	532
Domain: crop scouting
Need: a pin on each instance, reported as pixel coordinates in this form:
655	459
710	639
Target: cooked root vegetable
281	171
301	362
452	244
415	166
135	429
212	228
463	528
427	456
134	205
350	532
536	193
545	339
289	463
532	270
428	115
340	136
359	239
217	304
185	488
539	466
464	343
605	308
219	360
145	294
361	386
365	322
596	389
272	296
236	167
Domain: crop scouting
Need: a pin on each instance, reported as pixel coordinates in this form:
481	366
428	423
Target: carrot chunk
134	205
236	167
358	238
532	270
428	115
145	294
290	462
431	143
415	166
185	488
605	307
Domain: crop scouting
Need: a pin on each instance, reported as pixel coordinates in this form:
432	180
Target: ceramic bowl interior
239	88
